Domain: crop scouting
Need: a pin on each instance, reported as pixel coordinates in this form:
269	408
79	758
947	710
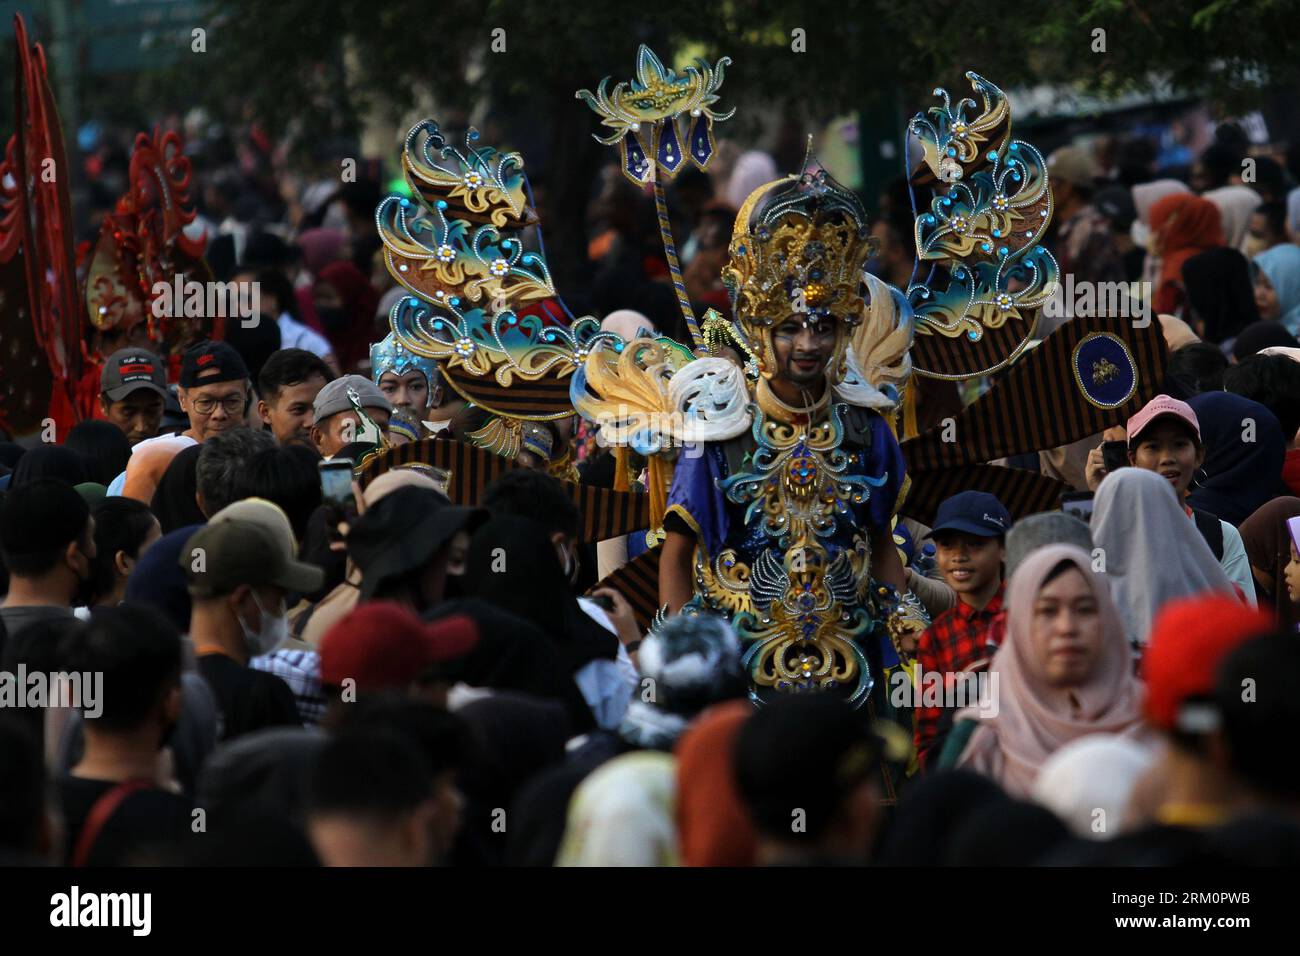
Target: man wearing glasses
215	392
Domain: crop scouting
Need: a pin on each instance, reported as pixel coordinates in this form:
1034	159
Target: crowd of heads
277	675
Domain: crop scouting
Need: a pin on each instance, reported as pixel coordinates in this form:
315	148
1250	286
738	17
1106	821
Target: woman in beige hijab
1063	671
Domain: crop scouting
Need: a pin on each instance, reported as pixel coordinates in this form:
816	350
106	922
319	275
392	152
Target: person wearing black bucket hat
404	546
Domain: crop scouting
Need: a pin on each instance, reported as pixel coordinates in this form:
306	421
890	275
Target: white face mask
273	632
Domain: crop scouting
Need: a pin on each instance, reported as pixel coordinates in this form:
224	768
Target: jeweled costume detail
783	515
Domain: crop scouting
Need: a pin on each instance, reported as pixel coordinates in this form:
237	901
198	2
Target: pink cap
1159	406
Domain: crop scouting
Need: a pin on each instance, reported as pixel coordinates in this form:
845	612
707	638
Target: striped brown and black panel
471	469
605	513
609	514
1022	492
545	398
1037	403
638	582
941	356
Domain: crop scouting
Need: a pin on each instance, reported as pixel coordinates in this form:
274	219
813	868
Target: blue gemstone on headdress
993	156
973	335
1016	177
670	153
442	204
1002	250
405	203
997	233
985	246
455	300
1014	147
472	134
951	151
701	146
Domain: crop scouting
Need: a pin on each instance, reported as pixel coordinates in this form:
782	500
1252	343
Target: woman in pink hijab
1064	670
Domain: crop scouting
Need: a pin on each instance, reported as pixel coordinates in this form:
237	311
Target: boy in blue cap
969	533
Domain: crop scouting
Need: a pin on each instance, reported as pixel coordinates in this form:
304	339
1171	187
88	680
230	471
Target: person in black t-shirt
239	571
117	801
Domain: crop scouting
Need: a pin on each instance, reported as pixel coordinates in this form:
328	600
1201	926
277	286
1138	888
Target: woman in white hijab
1089	783
752	169
1236	204
624	814
628	324
1152	553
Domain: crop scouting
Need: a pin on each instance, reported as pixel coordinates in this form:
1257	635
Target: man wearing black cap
215	393
132	392
214	389
47	537
239	572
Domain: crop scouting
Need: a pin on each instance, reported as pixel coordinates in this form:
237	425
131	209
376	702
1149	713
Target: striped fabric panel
471	469
544	398
638	582
1022	492
609	514
1037	404
946	357
605	513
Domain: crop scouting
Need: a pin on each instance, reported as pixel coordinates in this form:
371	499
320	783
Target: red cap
1158	407
1189	640
383	646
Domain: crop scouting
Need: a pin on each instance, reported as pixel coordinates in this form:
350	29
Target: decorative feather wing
477	295
988	273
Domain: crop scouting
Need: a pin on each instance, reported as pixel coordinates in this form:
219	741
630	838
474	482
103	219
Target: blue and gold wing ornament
456	247
660	114
981	236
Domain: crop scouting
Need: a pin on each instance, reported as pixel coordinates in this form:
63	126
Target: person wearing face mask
119	799
296	663
239	572
47	537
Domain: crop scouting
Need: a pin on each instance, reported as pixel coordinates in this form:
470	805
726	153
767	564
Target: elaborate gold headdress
799	247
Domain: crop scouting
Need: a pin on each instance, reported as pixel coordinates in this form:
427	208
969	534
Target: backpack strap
100	813
1211	530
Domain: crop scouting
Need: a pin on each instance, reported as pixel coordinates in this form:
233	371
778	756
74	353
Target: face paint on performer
802	346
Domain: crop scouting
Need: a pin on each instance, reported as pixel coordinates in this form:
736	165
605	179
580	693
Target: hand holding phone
337	494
